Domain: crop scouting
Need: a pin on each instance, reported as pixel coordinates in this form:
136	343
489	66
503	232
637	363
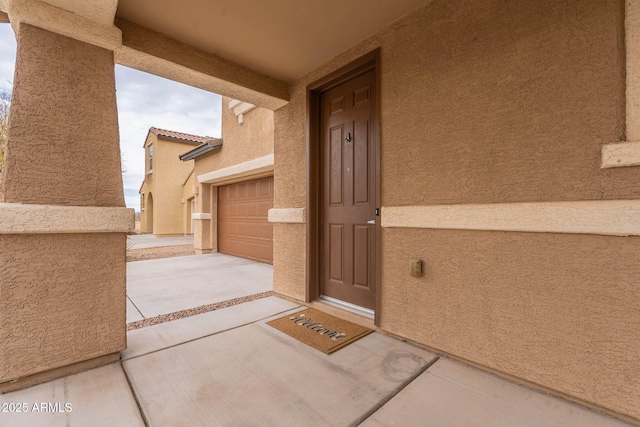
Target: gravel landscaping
159	252
194	311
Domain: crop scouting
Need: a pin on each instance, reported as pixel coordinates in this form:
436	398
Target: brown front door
348	187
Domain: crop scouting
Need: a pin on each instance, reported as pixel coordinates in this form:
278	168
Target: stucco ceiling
284	39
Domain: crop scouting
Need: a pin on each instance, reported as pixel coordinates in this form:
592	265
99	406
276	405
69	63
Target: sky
144	100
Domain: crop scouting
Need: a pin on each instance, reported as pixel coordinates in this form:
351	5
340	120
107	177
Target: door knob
373	221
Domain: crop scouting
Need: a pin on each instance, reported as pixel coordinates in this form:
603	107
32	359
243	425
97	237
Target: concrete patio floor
228	368
167	285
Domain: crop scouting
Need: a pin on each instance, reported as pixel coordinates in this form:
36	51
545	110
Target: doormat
319	330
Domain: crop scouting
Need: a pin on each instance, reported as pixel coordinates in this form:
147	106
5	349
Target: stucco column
62	217
203	217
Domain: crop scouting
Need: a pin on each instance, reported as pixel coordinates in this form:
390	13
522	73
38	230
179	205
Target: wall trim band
200	215
16	218
606	217
249	168
288	215
621	154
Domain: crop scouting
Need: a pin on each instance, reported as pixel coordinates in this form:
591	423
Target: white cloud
7	55
144	101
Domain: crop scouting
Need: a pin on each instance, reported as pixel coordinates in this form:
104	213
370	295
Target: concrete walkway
167	285
228	368
141	241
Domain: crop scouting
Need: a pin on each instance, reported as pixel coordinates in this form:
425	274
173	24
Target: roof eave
199	151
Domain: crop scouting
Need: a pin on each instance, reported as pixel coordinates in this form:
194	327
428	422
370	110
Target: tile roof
179	136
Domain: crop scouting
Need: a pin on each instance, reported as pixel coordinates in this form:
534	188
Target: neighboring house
166	194
496	141
235	185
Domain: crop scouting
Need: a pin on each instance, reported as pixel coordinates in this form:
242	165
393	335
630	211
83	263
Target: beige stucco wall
289	259
146	223
169	215
62	296
241	142
290	177
205	230
165	183
187	197
492	102
148	188
67	306
537	106
559	310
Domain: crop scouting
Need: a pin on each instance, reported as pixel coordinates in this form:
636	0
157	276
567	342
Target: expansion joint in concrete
395	392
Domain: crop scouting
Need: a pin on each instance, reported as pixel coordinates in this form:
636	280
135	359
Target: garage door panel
265	232
265	251
252	190
263	209
243	228
266	188
224	193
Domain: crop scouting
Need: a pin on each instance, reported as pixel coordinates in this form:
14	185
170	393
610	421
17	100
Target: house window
141	201
150	158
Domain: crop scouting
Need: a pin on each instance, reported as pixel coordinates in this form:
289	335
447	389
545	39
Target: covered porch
500	151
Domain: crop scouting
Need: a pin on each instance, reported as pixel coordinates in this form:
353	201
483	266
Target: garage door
243	229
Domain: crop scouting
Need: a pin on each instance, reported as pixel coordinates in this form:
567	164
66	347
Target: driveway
141	241
163	286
